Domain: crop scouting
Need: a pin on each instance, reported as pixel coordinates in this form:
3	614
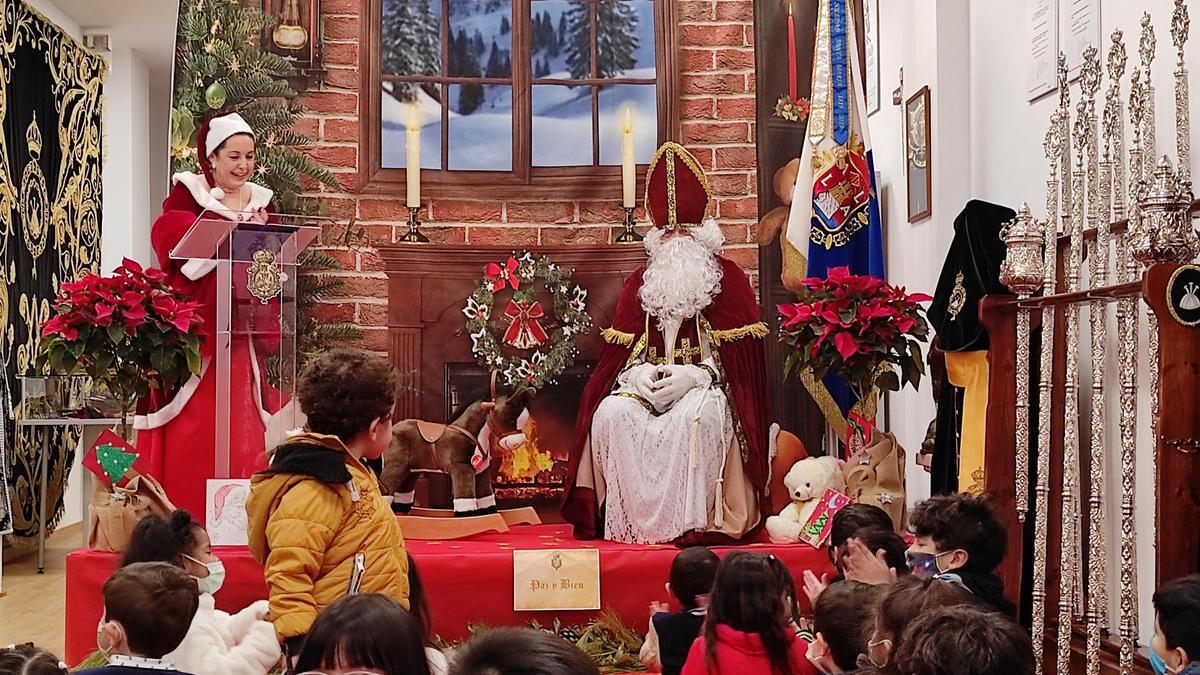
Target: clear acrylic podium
254	264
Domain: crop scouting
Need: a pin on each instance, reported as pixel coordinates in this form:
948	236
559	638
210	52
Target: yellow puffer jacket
310	514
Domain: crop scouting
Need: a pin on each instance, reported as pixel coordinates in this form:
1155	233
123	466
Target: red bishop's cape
735	329
177	429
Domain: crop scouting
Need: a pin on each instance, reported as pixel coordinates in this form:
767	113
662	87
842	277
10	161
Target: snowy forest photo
416	64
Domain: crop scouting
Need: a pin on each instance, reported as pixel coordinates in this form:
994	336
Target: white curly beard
683	274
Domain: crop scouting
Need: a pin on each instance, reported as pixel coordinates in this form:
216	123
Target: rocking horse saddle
432	432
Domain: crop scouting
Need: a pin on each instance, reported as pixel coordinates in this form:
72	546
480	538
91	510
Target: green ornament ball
215	95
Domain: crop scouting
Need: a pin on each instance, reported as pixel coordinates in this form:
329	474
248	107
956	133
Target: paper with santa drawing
816	528
225	511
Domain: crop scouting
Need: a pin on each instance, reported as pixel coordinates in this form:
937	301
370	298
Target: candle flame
627	121
413	123
789	8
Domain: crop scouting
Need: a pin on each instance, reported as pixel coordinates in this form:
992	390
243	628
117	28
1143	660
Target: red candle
791	54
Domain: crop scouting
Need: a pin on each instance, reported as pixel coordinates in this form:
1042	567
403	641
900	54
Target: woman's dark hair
214	151
911	596
966	521
417	602
29	659
753	593
875	538
343	390
158	539
365	631
843	615
519	651
964	641
692	573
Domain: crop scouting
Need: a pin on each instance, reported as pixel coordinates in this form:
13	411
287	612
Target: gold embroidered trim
615	337
676	150
758	330
634	397
638	348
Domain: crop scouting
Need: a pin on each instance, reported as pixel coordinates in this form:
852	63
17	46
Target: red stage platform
467	581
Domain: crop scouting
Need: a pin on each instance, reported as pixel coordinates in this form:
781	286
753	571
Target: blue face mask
1157	664
923	564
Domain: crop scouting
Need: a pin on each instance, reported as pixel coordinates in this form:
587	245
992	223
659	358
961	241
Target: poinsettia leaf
116	333
888	381
193	359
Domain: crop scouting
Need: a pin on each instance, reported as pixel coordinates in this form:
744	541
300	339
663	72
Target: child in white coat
217	643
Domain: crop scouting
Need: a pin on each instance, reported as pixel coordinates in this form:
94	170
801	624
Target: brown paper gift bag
112	514
879	481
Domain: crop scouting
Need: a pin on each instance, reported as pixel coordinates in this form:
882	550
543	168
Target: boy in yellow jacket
317	521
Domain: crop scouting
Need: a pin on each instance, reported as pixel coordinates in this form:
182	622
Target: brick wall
717	107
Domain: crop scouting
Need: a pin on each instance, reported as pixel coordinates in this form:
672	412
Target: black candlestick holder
629	236
414	235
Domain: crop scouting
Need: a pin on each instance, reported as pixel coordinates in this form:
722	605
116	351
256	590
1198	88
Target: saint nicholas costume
696	472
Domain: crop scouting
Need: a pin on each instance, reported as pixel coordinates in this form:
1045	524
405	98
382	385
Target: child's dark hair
911	596
964	641
753	593
876	538
692	573
965	521
854	517
29	659
365	631
843	614
158	539
417	602
518	651
154	602
1178	605
343	390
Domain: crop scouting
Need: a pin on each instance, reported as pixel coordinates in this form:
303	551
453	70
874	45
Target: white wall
56	16
127	208
987	144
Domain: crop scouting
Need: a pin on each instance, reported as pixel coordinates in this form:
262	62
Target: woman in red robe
177	430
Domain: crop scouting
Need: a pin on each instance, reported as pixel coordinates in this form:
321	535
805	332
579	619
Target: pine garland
221	67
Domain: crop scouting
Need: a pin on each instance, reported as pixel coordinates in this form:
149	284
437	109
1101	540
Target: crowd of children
345	598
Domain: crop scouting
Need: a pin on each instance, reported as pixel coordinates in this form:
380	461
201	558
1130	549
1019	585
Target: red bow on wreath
524	331
500	275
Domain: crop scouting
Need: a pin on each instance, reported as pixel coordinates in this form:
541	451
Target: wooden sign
556	580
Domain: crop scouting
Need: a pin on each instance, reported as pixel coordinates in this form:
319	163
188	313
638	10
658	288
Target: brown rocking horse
455	449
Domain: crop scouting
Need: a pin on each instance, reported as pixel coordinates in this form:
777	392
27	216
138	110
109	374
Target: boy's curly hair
966	521
343	390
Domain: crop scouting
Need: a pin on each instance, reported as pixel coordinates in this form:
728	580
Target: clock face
1183	295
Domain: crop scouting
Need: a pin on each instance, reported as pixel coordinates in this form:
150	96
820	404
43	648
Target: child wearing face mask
672	633
217	643
902	602
1175	649
842	620
317	521
148	607
957	538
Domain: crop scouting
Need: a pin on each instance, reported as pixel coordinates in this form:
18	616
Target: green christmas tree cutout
115	461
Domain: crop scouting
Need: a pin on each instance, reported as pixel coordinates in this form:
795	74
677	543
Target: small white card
556	580
225	511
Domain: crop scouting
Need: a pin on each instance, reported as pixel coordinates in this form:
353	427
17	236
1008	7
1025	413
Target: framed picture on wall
918	158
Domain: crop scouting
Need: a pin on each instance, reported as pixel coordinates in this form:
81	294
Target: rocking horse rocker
463	450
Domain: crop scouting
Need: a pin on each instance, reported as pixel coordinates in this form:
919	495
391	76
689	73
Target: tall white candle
629	199
413	161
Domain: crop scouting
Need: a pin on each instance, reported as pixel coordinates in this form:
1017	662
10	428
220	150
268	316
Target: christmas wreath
523	323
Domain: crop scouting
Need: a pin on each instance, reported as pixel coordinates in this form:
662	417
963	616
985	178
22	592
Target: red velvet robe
743	366
177	430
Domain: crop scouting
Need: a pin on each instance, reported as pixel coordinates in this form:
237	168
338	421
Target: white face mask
216	575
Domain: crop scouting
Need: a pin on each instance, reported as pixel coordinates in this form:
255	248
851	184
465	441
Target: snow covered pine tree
616	39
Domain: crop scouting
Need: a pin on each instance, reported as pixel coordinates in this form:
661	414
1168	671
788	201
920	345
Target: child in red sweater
750	624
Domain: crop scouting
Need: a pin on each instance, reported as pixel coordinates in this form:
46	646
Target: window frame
564	182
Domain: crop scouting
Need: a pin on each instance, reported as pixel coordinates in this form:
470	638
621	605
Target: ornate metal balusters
1127	330
1053	146
1183	120
1097	195
1147	46
1022	273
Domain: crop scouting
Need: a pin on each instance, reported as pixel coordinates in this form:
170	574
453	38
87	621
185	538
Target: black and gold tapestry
50	161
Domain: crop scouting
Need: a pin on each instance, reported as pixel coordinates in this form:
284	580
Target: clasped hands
663	386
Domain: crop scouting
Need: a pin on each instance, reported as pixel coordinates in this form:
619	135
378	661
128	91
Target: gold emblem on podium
263	278
958	297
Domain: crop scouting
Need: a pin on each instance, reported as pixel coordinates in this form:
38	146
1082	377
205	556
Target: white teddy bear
806	482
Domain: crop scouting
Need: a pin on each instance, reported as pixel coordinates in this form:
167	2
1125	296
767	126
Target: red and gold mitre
677	193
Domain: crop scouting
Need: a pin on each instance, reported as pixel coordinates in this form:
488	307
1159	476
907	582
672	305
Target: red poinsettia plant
131	332
858	326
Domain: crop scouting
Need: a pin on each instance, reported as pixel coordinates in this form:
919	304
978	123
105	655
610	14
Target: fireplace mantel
428	286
